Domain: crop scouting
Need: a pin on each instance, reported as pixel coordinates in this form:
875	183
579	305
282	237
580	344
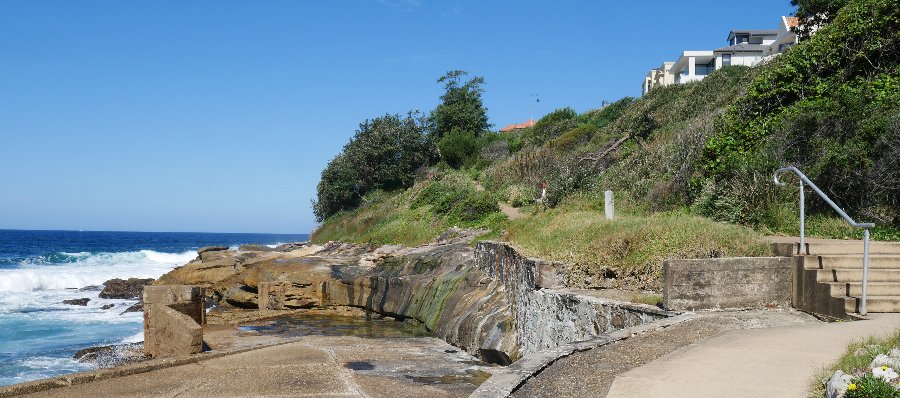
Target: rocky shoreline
492	304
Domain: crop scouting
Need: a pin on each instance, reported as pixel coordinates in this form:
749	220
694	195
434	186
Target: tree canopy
461	107
384	153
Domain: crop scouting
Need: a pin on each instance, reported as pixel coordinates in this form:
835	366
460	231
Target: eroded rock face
488	300
124	289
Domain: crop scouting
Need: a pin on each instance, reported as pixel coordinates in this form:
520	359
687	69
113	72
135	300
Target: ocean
39	269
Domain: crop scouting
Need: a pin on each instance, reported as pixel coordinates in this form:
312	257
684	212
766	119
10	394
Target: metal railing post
802	221
865	278
804	181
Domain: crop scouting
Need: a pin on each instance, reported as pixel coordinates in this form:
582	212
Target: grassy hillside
690	164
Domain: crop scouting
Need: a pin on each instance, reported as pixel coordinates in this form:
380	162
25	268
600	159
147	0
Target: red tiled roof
792	22
516	126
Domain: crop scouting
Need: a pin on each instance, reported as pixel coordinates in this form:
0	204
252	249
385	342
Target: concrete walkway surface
774	362
312	366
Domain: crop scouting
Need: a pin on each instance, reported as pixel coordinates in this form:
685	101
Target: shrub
458	147
459	202
828	106
551	126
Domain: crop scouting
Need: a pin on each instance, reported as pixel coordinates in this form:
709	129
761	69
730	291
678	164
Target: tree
814	14
384	153
461	107
337	189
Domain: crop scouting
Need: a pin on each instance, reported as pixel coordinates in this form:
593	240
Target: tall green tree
814	14
384	153
461	107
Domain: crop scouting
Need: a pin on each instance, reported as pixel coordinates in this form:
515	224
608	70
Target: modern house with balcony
745	47
693	65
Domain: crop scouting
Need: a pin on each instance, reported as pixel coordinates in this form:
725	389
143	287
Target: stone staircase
827	277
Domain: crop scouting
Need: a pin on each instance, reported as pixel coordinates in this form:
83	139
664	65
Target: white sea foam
137	338
90	269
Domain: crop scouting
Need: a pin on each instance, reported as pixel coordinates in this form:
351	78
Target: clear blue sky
219	115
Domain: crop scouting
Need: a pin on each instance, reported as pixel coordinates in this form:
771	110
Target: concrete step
885	261
844	289
873	304
855	275
851	247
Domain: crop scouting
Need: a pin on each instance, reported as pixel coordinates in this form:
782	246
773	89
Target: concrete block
784	249
173	319
719	283
271	295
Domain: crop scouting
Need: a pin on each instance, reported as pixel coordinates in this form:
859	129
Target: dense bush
551	126
383	154
830	106
460	202
458	147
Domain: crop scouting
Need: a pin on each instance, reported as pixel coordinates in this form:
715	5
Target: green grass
831	227
858	356
649	299
414	216
630	246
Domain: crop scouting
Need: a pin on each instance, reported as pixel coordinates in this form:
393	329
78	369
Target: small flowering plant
878	382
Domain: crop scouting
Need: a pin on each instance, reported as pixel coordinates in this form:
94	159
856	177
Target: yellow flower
884	367
851	387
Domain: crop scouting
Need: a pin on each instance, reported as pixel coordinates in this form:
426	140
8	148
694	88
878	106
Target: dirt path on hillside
511	212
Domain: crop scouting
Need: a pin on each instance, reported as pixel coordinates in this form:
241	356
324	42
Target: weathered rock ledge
488	300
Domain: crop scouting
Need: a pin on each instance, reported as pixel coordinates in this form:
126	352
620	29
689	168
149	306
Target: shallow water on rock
331	325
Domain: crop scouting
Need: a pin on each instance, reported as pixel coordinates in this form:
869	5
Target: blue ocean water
40	269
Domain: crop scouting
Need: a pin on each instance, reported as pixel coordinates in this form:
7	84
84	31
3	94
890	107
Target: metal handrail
865	226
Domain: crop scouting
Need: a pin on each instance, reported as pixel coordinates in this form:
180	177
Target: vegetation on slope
690	164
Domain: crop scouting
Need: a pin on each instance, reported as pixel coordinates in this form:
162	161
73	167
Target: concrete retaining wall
173	319
720	283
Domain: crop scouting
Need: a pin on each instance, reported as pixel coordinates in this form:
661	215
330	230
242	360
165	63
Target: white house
784	37
693	65
658	77
745	47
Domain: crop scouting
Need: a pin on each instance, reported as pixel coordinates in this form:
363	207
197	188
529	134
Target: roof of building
743	48
516	126
756	32
792	22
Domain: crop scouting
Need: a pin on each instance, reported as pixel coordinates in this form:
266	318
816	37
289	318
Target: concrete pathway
314	366
774	362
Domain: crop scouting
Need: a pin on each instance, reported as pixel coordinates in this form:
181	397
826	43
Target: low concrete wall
271	295
720	283
173	319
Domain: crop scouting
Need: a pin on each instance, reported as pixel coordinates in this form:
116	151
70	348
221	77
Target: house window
726	59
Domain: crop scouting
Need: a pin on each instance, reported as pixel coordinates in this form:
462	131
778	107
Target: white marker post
608	205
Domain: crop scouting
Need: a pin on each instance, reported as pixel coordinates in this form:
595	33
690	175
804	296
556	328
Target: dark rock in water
91	288
255	248
81	301
134	308
117	288
107	306
111	355
205	249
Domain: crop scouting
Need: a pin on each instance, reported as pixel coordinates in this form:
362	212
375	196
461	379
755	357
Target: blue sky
219	115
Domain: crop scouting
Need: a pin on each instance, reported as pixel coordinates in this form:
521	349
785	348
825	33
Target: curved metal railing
866	226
